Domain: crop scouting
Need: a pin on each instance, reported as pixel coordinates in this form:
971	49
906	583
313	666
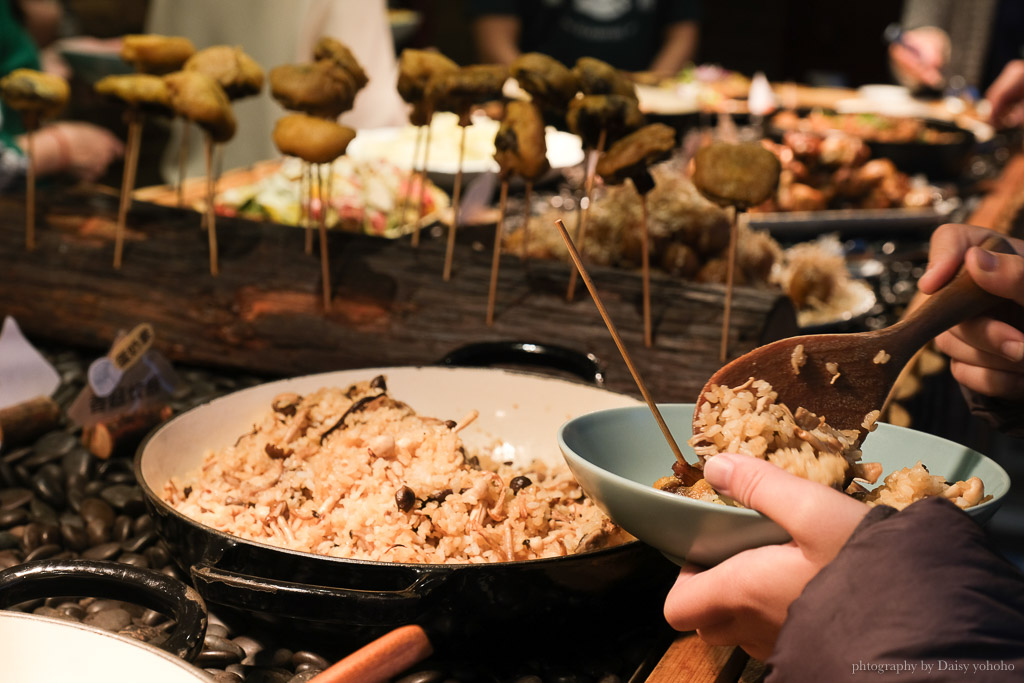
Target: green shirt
17	51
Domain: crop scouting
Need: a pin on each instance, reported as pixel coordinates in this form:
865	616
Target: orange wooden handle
380	660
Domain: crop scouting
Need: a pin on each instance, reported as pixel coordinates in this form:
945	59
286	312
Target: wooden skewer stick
211	196
645	256
131	163
305	202
450	251
723	352
423	183
30	187
325	270
401	206
183	160
526	220
575	256
496	258
588	191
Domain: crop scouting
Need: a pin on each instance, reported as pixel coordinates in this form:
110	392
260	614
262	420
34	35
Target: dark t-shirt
625	33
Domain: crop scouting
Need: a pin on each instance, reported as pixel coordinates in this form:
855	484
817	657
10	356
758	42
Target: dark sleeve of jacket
918	588
1005	415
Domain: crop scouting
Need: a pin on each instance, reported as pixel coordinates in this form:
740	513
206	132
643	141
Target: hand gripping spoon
843	377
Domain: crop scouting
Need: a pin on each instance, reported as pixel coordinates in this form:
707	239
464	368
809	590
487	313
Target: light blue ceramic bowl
617	454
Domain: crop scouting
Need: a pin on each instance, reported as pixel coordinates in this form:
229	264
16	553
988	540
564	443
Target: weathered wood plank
263	312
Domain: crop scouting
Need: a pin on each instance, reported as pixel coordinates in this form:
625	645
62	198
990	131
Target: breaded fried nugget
311	138
600	78
549	82
614	114
237	72
319	89
457	91
631	156
198	97
415	69
736	174
156	54
330	50
519	145
34	93
137	90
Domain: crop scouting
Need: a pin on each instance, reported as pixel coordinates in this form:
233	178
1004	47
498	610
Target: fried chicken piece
137	90
549	82
156	54
457	91
736	174
319	89
34	93
600	78
519	145
311	138
614	114
415	69
200	98
631	156
237	72
328	49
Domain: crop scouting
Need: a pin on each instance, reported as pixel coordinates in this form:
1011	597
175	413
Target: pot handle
315	602
586	366
114	581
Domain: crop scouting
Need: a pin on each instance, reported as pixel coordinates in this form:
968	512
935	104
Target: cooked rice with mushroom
355	473
748	420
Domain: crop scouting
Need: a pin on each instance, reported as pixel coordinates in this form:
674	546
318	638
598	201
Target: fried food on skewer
200	98
416	68
631	156
312	139
614	114
737	176
36	96
328	49
156	54
550	83
316	141
600	78
519	145
237	72
137	90
457	91
318	89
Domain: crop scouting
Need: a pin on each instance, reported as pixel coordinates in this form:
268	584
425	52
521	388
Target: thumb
817	517
996	273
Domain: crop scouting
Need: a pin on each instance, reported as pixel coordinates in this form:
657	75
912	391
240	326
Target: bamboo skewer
423	183
211	213
526	220
400	208
691	472
325	270
306	204
30	187
723	351
450	251
496	258
581	234
131	162
645	255
183	160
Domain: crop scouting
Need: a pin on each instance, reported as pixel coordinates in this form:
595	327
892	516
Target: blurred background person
657	36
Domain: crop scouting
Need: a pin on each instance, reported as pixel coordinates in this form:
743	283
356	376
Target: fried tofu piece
311	138
200	98
156	54
519	145
736	174
237	72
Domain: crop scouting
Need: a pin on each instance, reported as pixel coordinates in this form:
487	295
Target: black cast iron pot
530	603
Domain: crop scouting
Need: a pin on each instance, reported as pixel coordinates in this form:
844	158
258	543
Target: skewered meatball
198	97
311	138
237	72
155	54
519	145
34	93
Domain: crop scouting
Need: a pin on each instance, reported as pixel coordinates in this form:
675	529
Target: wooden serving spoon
867	363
